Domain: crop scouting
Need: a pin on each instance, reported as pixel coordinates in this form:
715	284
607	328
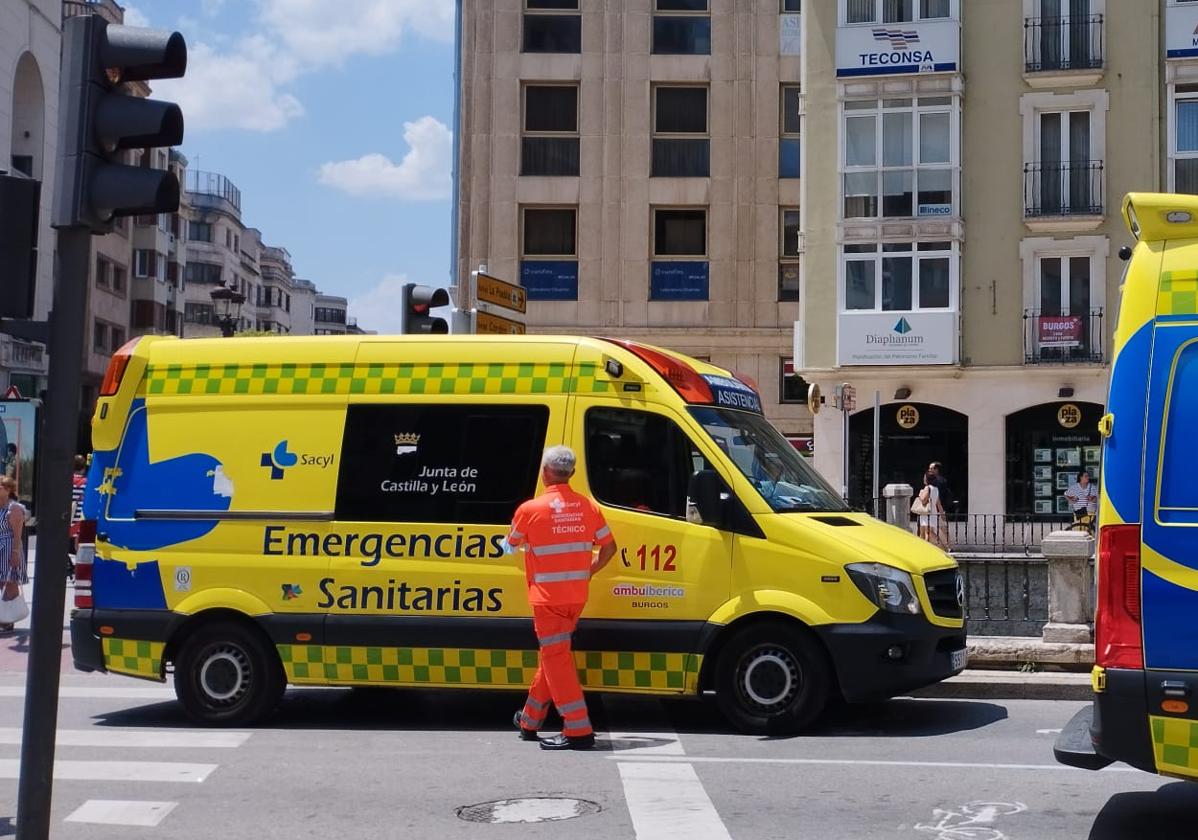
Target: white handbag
13	611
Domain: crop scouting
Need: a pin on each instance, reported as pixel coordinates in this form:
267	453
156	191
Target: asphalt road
379	764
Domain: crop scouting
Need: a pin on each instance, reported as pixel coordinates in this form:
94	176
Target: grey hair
560	461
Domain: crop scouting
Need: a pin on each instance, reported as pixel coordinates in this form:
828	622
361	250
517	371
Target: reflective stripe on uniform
515	535
540	707
583	722
556	638
561	548
576	706
555	577
531	723
602	532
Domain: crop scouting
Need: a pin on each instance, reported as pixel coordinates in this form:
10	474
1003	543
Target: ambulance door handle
1174	688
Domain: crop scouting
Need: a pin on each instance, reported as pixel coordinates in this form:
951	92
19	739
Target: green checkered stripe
613	671
136	658
1178	293
1175	743
374	378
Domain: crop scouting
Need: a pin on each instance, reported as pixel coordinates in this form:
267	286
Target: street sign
13	393
501	293
487	324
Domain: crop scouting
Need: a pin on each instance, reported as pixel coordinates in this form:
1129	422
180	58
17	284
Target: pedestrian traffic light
417	304
19	202
99	121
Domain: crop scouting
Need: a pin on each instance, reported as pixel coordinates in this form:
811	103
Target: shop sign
1060	330
931	46
791	30
894	338
1069	416
935	210
678	280
805	444
550	279
907	416
1181	31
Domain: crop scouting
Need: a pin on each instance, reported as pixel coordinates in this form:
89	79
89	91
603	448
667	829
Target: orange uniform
560	529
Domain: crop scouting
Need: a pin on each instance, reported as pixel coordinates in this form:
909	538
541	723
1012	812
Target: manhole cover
531	810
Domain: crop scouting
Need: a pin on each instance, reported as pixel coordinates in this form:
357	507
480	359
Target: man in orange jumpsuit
559	530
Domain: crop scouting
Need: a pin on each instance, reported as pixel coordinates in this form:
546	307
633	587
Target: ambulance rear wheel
227	675
772	679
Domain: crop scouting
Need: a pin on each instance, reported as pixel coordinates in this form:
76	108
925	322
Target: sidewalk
1012	685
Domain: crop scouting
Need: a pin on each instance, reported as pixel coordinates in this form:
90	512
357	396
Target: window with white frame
894	11
899	157
899	277
790	145
145	263
1185	139
788	254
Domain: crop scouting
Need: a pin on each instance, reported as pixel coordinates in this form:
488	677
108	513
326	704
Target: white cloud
422	175
237	89
378	308
322	32
135	17
212	8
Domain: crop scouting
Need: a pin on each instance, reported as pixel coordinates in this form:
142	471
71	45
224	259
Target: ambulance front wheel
772	679
226	674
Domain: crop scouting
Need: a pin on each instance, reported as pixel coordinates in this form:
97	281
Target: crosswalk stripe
153	738
98	693
667	802
117	771
121	812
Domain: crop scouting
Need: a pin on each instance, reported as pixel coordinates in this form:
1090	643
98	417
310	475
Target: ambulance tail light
85	557
682	377
1118	633
116	369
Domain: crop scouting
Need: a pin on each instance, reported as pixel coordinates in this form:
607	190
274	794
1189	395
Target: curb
1011	685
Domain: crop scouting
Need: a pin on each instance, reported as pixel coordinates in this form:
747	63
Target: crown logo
406	443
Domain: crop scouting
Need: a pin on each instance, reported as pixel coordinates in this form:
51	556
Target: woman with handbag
12	556
931	513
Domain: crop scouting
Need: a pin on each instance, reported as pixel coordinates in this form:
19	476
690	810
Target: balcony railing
1062	189
1062	339
213	184
1062	43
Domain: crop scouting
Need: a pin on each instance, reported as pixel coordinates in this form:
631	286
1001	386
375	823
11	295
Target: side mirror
705	500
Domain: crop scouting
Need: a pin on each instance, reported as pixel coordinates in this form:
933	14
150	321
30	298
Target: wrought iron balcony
1062	43
1062	339
1062	189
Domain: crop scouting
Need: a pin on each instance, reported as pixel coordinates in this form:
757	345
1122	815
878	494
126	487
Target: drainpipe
455	210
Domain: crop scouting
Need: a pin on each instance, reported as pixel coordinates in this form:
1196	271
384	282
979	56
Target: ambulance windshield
775	468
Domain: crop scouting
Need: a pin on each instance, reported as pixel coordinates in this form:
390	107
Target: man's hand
606	553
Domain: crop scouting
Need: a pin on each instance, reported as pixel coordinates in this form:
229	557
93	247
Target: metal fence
1070	188
1062	339
1005	596
1062	43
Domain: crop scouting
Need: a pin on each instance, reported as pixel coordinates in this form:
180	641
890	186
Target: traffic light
99	121
19	202
417	304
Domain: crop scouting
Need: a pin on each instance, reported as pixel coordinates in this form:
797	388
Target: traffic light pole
67	321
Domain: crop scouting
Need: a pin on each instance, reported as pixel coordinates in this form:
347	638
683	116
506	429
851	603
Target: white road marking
952	765
98	693
118	771
965	821
667	802
1048	732
647	743
119	812
153	738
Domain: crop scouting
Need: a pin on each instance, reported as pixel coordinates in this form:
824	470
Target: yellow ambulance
331	511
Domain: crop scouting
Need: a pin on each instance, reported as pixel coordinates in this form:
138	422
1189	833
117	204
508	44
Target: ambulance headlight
886	587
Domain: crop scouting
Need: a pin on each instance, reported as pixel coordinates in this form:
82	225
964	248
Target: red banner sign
1060	330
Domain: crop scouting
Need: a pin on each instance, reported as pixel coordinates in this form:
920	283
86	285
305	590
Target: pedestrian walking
936	469
12	553
559	531
932	510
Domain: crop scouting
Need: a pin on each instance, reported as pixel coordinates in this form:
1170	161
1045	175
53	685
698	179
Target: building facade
329	314
917	198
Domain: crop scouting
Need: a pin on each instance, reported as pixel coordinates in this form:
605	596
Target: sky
333	118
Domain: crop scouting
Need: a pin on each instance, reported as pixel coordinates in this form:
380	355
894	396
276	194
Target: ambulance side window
460	464
639	460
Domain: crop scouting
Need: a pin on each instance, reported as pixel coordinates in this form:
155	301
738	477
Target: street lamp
227	304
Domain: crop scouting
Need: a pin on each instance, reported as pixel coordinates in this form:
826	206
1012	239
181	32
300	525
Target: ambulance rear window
461	464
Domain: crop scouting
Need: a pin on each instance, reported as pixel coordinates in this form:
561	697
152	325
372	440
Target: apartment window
681	27
198	313
788	255
145	263
899	277
789	147
549	253
550	142
118	279
100	337
793	388
679	270
202	272
681	146
548	28
1066	35
1065	179
899	157
200	231
894	11
228	238
164	222
1185	129
792	6
103	273
118	338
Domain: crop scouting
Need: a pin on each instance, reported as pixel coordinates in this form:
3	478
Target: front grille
942	593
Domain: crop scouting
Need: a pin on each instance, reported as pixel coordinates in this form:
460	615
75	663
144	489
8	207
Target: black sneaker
525	734
569	742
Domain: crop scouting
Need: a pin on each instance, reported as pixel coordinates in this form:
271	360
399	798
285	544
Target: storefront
912	435
1047	445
